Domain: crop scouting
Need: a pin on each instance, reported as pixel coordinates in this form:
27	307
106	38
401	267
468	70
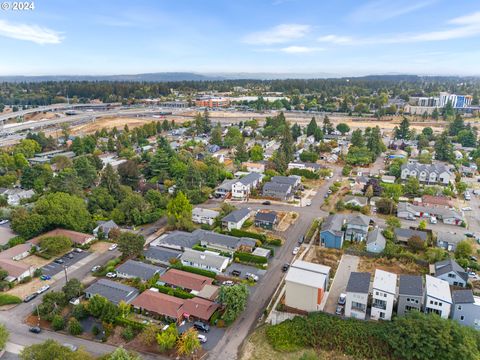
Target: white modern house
204	216
383	295
242	188
304	289
358	288
438	299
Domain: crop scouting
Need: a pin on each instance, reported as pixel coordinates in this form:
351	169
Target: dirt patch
392	265
35	261
32	320
286	220
109	123
22	290
40	116
320	255
100	246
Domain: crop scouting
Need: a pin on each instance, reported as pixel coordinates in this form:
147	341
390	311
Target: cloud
300	49
34	33
463	27
382	10
279	34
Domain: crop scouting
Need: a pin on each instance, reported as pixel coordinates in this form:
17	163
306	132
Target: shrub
174	292
58	323
307	174
79	312
7	299
128	334
249	258
275	242
74	327
25	280
129	323
195	270
249	234
95	330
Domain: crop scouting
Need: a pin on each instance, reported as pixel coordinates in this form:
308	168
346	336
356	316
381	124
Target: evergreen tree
312	126
241	153
443	148
327	125
456	126
403	132
357	138
216	138
296	131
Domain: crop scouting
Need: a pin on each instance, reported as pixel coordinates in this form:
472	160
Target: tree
443	148
357	138
111	181
148	336
233	137
55	245
121	354
129	174
318	134
369	192
179	211
343	128
58	323
415	243
167	339
428	132
464	250
412	186
296	131
327	125
87	171
403	132
235	300
467	137
74	327
52	304
72	289
188	343
216	136
393	222
50	349
130	244
456	126
422	225
374	142
312	126
256	153
28	148
241	153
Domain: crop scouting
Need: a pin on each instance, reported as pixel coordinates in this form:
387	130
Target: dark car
339	310
30	297
469	234
201	326
266	203
35	330
285	267
302	238
236	272
59	261
70	255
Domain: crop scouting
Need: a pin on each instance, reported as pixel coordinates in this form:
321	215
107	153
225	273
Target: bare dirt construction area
111	122
100	246
41	116
35	261
286	219
257	348
320	255
395	266
22	290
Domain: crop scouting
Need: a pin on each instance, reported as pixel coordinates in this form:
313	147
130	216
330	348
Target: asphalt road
229	345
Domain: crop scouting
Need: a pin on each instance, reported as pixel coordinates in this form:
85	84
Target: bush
95	330
194	270
74	327
7	299
79	312
249	258
128	334
275	242
249	234
347	169
129	323
25	280
54	245
307	174
182	294
58	323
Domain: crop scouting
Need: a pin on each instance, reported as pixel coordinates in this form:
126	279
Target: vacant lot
111	122
392	265
324	256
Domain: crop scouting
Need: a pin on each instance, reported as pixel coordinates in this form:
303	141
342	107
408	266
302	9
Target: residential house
204	216
388	179
427	173
304	287
317	268
184	280
437	297
132	269
402	235
313	167
262	252
104	227
282	192
152	301
213	148
205	260
293	180
266	219
77	238
225	188
224	243
410	294
358	288
17	252
198	308
113	291
236	219
177	240
254	167
449	240
14	196
375	241
384	292
451	272
160	255
360	201
17	270
442	201
331	234
466	308
357	227
242	187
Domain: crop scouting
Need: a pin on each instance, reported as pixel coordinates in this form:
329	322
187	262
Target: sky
328	38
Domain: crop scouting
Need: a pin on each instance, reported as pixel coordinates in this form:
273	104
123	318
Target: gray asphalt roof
408	233
376	236
445	266
138	269
270	216
290	180
358	219
276	187
333	223
161	254
462	296
359	282
250	178
237	215
410	285
113	291
180	238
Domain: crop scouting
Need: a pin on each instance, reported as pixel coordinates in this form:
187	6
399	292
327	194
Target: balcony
378	304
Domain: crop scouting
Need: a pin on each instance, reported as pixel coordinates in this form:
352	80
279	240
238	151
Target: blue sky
288	36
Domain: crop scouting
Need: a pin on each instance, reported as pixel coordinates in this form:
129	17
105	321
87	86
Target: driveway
245	269
53	268
348	264
213	336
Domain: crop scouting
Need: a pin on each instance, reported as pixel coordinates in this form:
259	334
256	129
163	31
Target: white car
43	289
251	276
309	202
228	283
295	250
111	275
202	338
96	268
70	346
113	247
2	222
468	208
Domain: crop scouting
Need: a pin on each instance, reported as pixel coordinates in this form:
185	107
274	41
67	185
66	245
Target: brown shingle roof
76	237
185	280
200	308
14	268
159	303
15	251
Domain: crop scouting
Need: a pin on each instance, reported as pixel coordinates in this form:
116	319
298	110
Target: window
462	318
451	276
459	307
440	304
382	315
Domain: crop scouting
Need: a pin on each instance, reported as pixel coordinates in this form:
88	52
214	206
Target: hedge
127	322
307	174
271	248
274	242
182	294
249	234
194	270
7	299
249	258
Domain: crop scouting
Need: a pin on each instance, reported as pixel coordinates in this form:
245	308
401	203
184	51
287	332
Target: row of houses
448	216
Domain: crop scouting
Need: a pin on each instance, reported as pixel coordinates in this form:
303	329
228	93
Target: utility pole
65	270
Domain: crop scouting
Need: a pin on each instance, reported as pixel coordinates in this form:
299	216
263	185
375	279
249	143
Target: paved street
348	263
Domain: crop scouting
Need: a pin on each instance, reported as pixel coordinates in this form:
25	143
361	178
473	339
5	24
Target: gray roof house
451	272
449	240
266	219
111	290
292	180
225	187
278	191
105	227
331	234
358	288
236	219
466	308
178	240
205	260
160	255
357	227
132	269
355	200
403	235
222	242
375	241
428	173
410	293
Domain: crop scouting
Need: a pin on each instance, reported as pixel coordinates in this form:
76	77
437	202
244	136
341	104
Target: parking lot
245	269
213	336
53	268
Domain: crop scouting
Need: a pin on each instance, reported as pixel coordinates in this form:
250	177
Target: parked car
342	299
309	202
468	208
236	272
59	261
43	289
200	326
325	196
469	234
302	238
45	277
30	297
285	267
96	268
113	247
472	274
35	330
111	275
202	338
70	255
78	250
473	258
266	203
339	310
2	222
228	283
251	276
70	346
295	250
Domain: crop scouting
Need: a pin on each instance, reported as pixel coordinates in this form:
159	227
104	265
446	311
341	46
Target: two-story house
410	293
437	299
357	227
466	308
451	272
331	234
204	216
384	294
358	288
427	173
242	188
